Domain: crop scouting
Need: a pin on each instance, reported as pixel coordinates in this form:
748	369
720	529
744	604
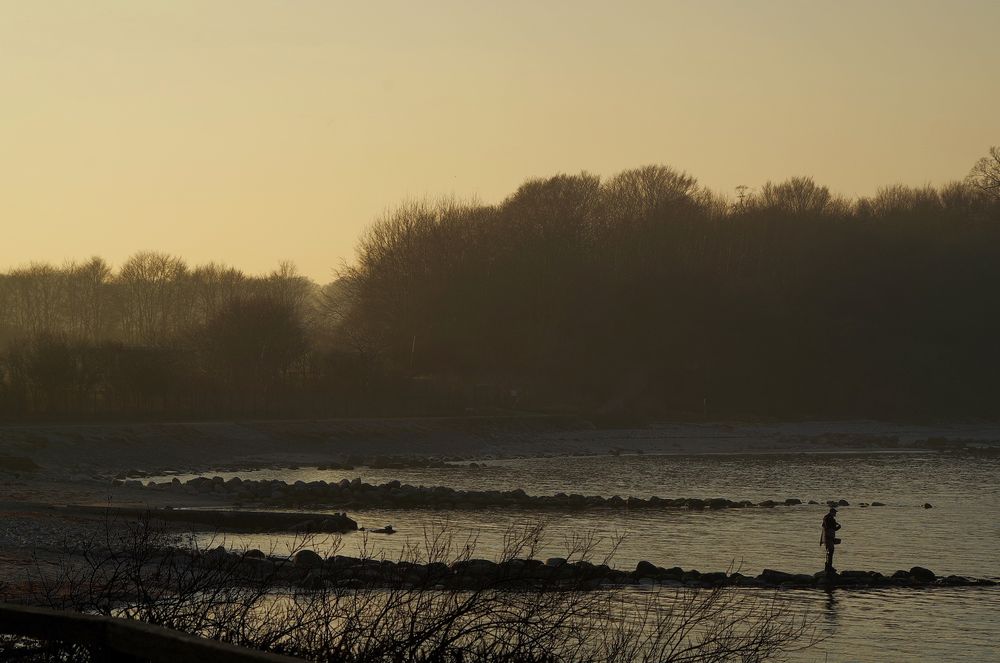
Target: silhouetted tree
642	294
985	175
252	345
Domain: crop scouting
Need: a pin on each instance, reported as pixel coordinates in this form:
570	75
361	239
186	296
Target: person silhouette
829	537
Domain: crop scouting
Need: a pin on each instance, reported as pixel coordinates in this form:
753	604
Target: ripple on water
959	535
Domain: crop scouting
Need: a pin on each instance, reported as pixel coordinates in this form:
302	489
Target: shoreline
76	451
46	466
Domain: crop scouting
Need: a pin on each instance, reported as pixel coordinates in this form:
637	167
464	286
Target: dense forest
642	295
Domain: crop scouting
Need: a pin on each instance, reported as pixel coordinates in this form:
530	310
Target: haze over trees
643	294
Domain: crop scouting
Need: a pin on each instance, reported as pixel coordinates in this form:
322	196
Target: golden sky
252	131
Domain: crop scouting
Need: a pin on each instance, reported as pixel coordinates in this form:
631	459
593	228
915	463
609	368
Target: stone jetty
393	494
309	569
230	521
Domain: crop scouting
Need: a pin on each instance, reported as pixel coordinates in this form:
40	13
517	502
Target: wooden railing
114	639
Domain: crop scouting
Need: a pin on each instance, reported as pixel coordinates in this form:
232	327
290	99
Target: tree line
641	295
159	339
646	294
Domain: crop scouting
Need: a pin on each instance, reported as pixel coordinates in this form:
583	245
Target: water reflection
830	610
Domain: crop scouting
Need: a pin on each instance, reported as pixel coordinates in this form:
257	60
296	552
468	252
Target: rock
673	573
843	503
927	505
921	574
791	501
313	580
877	504
715	578
478	567
955	580
773	577
307	559
555	561
257	567
217	554
646	569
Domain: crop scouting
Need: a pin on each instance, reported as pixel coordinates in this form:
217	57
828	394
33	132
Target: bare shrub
414	607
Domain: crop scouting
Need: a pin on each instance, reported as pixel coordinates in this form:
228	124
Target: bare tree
150	284
985	175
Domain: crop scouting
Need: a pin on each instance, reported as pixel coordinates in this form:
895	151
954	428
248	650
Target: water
959	535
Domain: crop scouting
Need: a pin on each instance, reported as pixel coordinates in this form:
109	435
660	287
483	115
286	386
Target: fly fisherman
829	538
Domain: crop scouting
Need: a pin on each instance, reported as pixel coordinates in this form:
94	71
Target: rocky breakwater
306	568
393	494
227	520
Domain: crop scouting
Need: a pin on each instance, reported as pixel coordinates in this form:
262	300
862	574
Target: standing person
829	537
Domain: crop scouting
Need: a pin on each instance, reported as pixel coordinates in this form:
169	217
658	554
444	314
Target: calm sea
959	535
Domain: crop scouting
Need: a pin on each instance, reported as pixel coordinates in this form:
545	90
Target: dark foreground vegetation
641	295
411	609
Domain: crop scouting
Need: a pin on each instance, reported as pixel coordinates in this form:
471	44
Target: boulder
307	559
673	573
477	567
772	577
646	569
921	574
715	578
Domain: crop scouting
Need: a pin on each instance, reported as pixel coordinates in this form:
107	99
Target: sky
255	131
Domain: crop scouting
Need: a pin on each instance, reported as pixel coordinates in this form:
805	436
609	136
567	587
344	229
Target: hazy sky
251	131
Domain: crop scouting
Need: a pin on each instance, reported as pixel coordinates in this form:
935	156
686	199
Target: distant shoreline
68	450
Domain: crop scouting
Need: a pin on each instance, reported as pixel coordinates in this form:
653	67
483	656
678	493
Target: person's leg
829	559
